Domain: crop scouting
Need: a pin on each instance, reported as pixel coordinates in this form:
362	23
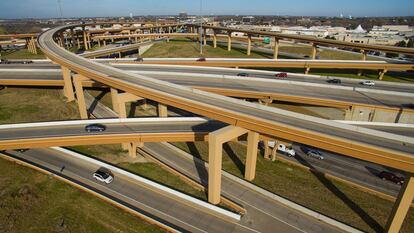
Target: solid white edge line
103	121
162	188
385	124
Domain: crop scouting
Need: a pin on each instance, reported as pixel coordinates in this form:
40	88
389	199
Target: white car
289	151
368	83
102	176
286	150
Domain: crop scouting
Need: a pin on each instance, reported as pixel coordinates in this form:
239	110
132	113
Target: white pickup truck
283	149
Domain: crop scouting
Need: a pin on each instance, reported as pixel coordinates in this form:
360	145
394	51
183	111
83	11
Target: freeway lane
222	71
124	190
261	210
260	86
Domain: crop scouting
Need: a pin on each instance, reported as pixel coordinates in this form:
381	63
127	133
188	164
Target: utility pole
60	8
201	27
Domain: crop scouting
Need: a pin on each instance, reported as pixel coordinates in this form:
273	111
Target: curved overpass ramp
353	141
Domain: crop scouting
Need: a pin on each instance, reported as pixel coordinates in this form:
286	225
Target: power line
60	8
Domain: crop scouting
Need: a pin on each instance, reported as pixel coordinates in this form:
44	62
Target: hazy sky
79	8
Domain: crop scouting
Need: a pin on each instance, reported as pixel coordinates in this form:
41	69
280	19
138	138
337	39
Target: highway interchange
140	80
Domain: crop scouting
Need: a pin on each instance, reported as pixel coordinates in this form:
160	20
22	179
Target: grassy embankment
330	197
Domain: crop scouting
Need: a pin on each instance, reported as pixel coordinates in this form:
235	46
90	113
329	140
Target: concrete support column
266	153
29	45
363	58
215	154
104	42
274	152
215	39
34	46
249	44
99	43
88	35
114	97
77	81
132	148
162	110
381	74
401	206
251	157
275	48
85	43
266	101
122	99
364	55
229	41
62	39
68	88
314	51
77	39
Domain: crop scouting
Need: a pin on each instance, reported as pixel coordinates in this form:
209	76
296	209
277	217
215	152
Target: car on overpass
368	83
334	81
281	75
95	128
243	74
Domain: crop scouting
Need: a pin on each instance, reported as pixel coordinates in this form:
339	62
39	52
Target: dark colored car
335	81
243	74
281	75
140	59
95	128
391	177
21	150
201	59
4	61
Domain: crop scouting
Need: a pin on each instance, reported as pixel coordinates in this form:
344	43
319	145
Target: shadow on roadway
95	102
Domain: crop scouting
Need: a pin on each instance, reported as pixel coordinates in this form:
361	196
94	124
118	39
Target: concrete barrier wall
378	115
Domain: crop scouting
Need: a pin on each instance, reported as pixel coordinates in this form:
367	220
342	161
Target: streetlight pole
201	27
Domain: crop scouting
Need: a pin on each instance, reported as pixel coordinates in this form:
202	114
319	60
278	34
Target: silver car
315	154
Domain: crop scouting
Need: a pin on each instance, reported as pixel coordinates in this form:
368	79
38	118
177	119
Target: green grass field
332	198
19	105
187	48
23	54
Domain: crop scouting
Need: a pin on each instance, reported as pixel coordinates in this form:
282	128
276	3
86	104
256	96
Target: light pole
201	27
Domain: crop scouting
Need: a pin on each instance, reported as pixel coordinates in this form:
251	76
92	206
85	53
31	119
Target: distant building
183	15
248	20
